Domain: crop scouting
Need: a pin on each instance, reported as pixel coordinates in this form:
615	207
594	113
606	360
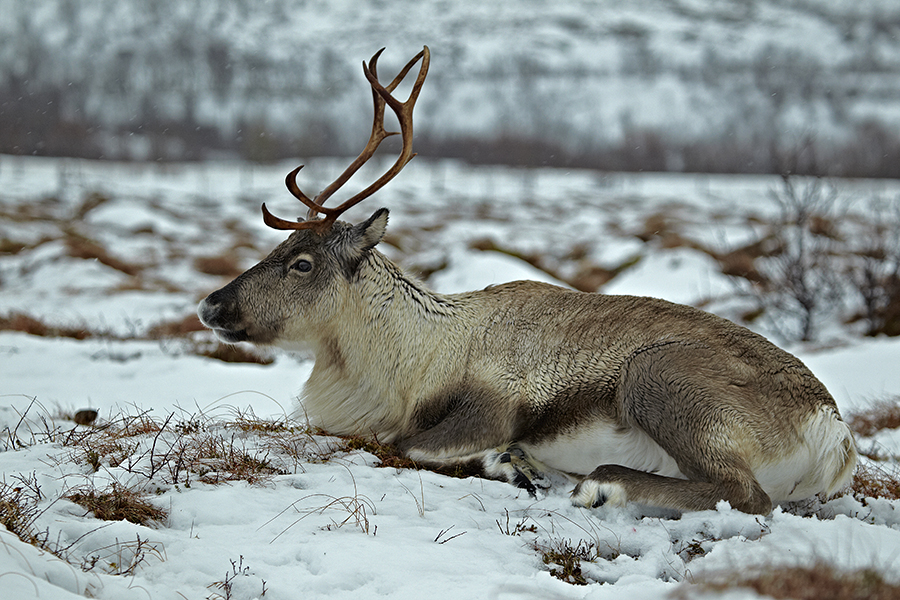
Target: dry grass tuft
217	460
180	328
874	481
26	324
18	510
79	246
818	582
118	503
884	414
8	246
565	560
233	354
391	456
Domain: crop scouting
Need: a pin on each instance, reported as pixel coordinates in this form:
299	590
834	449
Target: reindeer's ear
368	233
356	241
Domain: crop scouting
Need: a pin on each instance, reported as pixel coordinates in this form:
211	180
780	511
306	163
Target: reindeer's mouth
221	320
232	336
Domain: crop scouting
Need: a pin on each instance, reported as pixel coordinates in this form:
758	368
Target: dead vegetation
19	510
79	246
874	480
118	503
573	267
817	582
883	414
222	266
181	329
564	558
389	456
27	324
817	260
879	416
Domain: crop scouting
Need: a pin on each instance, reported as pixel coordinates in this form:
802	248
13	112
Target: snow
344	528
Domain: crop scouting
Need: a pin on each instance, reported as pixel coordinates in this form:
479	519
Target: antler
381	96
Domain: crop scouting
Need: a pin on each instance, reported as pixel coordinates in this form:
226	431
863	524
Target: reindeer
636	399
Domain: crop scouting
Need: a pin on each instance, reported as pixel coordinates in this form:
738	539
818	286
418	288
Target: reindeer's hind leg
671	395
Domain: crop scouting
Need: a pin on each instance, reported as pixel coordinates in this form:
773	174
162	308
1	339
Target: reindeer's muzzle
220	312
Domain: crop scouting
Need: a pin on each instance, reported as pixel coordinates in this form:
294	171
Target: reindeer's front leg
466	427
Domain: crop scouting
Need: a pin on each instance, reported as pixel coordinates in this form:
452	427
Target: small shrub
802	281
116	504
874	267
238	569
123	558
18	510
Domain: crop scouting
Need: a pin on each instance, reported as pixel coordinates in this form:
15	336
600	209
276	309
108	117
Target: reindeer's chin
232	336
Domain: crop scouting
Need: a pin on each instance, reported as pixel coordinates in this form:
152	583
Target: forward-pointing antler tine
291	182
283	224
275	222
279	223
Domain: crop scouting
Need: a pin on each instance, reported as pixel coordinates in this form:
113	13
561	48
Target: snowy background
120	254
748	86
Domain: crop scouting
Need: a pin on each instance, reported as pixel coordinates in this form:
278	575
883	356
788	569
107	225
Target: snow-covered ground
343	528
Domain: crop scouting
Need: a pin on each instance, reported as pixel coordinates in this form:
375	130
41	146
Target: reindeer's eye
302	265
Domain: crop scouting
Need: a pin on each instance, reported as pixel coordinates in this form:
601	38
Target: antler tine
291	182
279	223
381	95
375	138
404	112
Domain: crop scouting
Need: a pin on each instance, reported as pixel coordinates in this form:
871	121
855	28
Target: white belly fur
581	451
822	463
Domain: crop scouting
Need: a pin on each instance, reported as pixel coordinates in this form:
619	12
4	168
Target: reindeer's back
547	340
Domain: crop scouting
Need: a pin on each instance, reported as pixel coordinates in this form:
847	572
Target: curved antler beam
381	96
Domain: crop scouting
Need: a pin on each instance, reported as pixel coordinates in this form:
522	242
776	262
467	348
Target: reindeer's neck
396	339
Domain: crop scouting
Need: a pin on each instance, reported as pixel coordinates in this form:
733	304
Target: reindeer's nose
219	310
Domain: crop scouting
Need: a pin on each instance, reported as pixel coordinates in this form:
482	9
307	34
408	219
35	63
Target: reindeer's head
302	285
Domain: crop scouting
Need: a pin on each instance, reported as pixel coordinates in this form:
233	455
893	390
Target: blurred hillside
742	86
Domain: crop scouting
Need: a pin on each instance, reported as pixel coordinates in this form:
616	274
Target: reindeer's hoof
515	466
592	494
